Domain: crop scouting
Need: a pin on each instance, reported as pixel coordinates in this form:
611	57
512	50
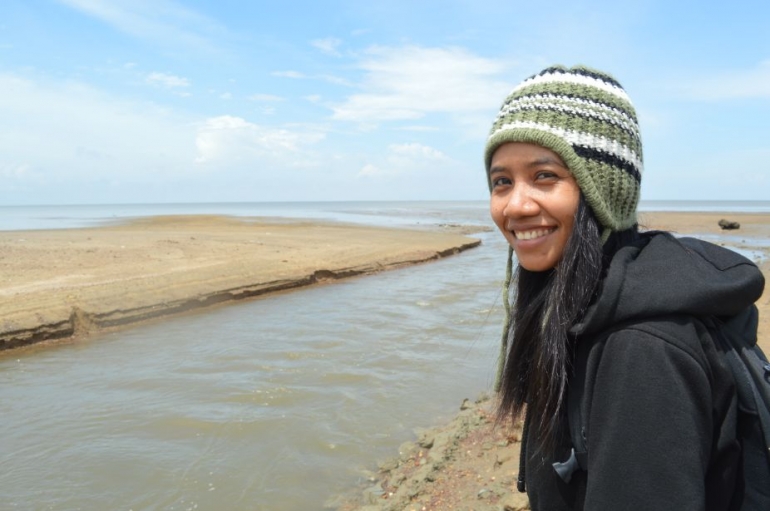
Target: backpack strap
578	459
748	365
736	339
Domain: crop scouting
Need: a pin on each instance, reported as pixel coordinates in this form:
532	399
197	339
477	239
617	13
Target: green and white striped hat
585	117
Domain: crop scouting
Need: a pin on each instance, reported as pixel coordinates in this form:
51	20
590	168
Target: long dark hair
546	304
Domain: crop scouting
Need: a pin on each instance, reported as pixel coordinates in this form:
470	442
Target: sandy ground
471	464
62	283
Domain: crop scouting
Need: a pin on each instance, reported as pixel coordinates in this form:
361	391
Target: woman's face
533	202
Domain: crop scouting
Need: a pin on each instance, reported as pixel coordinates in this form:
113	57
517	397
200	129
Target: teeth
530	235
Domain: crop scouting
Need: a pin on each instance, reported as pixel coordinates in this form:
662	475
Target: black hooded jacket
660	405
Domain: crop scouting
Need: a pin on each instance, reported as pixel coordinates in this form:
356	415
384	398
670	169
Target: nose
521	202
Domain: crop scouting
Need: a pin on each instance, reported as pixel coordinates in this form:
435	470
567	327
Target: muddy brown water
279	403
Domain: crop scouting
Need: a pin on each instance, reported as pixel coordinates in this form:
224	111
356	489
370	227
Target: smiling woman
609	314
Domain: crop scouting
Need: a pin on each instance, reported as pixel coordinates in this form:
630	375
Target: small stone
729	224
466	404
426	441
484	493
388	465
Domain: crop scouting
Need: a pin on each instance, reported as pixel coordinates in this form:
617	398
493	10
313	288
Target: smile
531	235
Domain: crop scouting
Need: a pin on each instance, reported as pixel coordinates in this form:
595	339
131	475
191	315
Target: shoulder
675	336
667	359
654	399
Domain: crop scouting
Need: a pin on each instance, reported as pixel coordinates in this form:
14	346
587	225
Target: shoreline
65	284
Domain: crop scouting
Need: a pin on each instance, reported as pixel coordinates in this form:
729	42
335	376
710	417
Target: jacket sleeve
650	425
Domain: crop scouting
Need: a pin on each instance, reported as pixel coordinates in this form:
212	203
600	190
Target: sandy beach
469	464
60	284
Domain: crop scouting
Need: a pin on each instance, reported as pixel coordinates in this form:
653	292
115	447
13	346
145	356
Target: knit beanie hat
585	117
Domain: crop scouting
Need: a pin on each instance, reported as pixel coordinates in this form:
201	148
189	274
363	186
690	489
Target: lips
533	233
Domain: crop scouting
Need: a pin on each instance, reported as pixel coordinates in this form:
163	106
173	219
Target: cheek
495	211
568	216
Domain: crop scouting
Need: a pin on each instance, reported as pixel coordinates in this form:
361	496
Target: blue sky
125	101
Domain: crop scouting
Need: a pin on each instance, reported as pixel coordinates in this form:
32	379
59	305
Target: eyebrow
496	169
545	160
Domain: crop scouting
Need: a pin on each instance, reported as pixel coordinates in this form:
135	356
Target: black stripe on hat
590	153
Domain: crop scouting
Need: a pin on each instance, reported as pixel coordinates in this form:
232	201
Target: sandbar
56	284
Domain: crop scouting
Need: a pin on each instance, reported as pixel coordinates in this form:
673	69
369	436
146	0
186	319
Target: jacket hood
672	275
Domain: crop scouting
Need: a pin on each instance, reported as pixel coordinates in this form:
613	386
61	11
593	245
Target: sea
284	402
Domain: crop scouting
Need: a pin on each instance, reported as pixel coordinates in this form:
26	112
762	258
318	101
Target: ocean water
277	403
374	213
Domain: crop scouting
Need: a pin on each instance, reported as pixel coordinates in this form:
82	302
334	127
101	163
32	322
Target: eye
500	181
546	175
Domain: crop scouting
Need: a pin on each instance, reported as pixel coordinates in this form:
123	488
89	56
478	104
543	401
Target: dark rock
388	465
426	441
729	225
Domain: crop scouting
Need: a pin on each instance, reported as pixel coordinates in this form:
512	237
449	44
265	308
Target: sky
147	101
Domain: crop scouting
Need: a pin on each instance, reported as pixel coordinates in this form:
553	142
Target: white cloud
10	170
418	128
226	96
162	21
369	170
68	141
409	82
68	131
265	97
336	80
229	140
417	150
411	158
751	83
166	80
328	46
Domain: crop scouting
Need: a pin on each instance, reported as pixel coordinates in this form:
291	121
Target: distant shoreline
393	213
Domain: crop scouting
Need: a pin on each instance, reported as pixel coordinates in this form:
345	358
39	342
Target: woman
596	297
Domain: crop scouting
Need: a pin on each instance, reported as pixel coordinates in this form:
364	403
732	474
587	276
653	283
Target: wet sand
60	284
471	464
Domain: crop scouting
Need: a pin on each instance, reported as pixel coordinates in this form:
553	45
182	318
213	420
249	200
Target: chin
536	266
